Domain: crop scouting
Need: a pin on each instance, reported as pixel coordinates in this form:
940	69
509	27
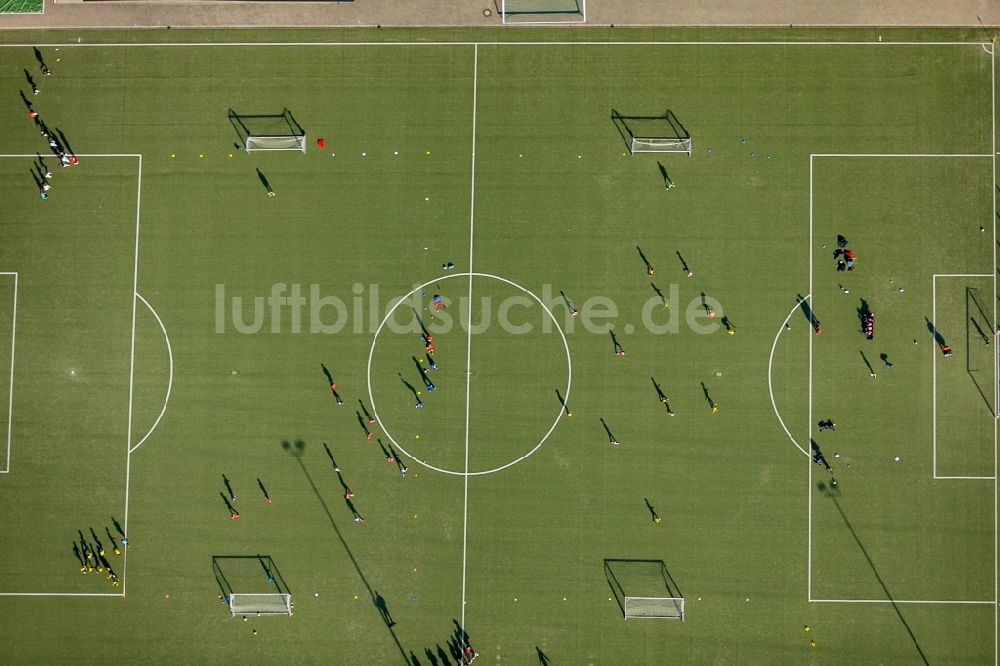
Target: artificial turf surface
751	529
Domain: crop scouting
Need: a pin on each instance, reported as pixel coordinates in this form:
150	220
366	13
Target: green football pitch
632	352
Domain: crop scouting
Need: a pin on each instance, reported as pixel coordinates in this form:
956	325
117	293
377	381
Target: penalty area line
62	594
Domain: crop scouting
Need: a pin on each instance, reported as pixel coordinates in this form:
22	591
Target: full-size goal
644	589
653	134
269	132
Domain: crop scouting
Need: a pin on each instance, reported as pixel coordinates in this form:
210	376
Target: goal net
254	142
543	11
251	585
269	132
644	589
654	607
653	134
260	604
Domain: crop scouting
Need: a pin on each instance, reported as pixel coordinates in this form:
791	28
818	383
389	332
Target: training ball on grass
355	597
417	437
896	459
316	594
419	392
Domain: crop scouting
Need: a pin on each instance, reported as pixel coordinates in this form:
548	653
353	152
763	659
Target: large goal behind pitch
644	589
653	134
269	132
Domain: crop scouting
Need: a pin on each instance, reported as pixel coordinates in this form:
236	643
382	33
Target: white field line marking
900	155
170	377
492	43
996	362
131	370
62	594
901	601
468	347
400	446
770	381
996	529
808	301
10	392
35	155
970	478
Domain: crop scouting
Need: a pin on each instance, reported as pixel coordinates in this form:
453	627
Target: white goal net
661	145
663	608
260	143
543	11
260	604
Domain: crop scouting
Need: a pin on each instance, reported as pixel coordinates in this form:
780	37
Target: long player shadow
297	452
970	319
833	493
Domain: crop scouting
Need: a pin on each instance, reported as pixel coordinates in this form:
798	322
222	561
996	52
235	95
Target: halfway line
468	346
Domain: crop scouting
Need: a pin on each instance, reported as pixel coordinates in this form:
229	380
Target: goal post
543	11
644	589
662	608
251	585
269	132
260	604
653	134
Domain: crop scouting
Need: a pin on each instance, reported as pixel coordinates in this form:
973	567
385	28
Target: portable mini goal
269	132
251	585
653	134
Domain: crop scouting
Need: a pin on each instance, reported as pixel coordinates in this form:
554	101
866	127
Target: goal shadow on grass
248	574
642	128
264	124
641	579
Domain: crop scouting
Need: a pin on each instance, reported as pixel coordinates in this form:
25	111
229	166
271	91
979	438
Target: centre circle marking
371	355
